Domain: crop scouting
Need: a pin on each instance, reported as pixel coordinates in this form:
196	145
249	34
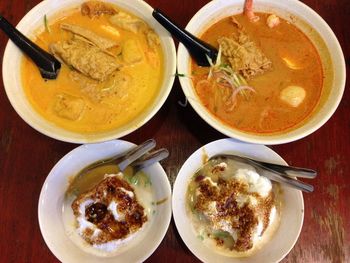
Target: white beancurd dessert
106	211
234	210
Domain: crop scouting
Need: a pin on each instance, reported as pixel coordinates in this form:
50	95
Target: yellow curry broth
264	112
98	115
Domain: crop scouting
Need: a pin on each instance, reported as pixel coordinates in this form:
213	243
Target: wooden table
26	157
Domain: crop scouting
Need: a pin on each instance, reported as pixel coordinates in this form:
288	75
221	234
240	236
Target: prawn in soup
268	76
111	69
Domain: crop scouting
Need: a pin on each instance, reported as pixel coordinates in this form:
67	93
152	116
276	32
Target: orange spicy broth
264	111
111	112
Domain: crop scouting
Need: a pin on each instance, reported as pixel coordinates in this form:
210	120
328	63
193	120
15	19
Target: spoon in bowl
48	65
199	50
278	173
138	157
123	160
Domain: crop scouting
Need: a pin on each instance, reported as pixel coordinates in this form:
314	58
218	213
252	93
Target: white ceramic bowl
52	217
292	214
32	21
324	39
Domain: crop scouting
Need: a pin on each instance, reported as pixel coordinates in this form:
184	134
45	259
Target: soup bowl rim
198	24
19	101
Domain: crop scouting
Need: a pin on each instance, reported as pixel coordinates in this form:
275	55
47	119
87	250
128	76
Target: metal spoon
48	65
275	172
122	160
149	159
138	157
199	49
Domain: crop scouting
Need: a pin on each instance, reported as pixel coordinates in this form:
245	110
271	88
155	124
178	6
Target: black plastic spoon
48	65
198	49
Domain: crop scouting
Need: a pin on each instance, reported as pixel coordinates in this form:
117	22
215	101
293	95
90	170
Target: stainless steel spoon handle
283	170
268	170
276	176
136	153
47	64
151	158
288	181
290	170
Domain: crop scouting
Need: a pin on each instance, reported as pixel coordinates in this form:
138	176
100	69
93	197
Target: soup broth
295	63
79	103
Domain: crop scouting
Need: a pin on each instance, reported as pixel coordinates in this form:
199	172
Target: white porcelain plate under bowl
53	212
292	211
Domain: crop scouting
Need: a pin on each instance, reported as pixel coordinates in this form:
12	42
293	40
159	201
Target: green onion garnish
46	24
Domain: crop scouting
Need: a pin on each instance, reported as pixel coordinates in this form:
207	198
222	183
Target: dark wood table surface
26	158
